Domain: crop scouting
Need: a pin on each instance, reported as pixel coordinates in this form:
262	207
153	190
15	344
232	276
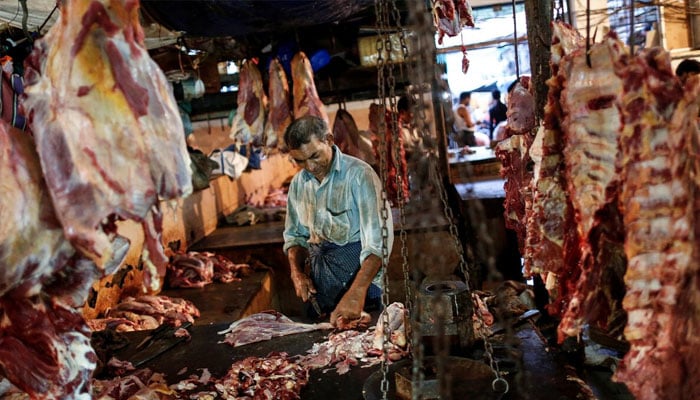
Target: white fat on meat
590	102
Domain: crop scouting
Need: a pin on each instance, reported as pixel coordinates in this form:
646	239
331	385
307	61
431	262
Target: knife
314	304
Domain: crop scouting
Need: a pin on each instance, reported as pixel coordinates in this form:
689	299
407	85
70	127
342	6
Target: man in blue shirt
334	224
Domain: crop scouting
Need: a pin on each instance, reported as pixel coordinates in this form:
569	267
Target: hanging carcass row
107	129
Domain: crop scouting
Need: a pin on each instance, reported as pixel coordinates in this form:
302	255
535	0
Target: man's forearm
297	259
368	270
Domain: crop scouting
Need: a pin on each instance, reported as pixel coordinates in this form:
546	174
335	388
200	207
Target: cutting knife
314	304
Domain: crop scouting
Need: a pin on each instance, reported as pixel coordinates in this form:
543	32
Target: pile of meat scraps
341	350
146	312
194	269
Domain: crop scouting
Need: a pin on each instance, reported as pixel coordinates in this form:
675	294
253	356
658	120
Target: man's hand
302	285
349	308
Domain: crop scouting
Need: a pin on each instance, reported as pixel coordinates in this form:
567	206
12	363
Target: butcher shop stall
145	185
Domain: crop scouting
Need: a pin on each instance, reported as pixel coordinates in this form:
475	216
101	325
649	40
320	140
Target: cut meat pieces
248	123
107	129
265	326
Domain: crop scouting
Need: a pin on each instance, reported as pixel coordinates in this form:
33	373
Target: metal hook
631	38
515	42
588	33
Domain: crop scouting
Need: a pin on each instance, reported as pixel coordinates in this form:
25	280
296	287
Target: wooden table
479	164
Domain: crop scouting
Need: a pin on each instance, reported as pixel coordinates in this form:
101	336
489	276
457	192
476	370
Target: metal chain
402	210
488	348
380	11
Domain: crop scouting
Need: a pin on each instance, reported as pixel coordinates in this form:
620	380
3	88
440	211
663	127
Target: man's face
315	156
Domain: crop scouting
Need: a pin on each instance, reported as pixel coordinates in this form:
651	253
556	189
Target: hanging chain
402	201
381	15
515	42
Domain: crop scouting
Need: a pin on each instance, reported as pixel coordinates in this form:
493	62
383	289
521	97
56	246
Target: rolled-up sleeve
367	192
295	234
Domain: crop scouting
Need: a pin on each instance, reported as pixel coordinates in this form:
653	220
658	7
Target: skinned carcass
305	96
280	114
249	122
42	280
107	129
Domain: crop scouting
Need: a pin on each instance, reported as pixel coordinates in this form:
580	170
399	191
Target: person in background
497	112
412	141
333	229
687	68
464	125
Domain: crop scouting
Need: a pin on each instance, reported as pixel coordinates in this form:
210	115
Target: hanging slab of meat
107	129
659	202
306	100
249	122
345	133
44	348
590	105
552	242
450	16
265	326
513	154
390	147
521	107
280	115
32	245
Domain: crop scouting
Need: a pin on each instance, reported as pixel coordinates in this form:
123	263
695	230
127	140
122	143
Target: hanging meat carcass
660	203
345	133
248	123
590	105
306	100
552	243
42	280
280	115
107	129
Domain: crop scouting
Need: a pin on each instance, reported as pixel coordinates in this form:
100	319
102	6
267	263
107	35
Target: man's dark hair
496	94
403	104
688	66
300	131
464	95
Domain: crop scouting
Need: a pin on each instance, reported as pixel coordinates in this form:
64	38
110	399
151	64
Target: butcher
333	229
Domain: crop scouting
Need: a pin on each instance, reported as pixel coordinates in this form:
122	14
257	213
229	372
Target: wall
186	221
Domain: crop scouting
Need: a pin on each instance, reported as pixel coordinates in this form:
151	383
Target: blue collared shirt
346	207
